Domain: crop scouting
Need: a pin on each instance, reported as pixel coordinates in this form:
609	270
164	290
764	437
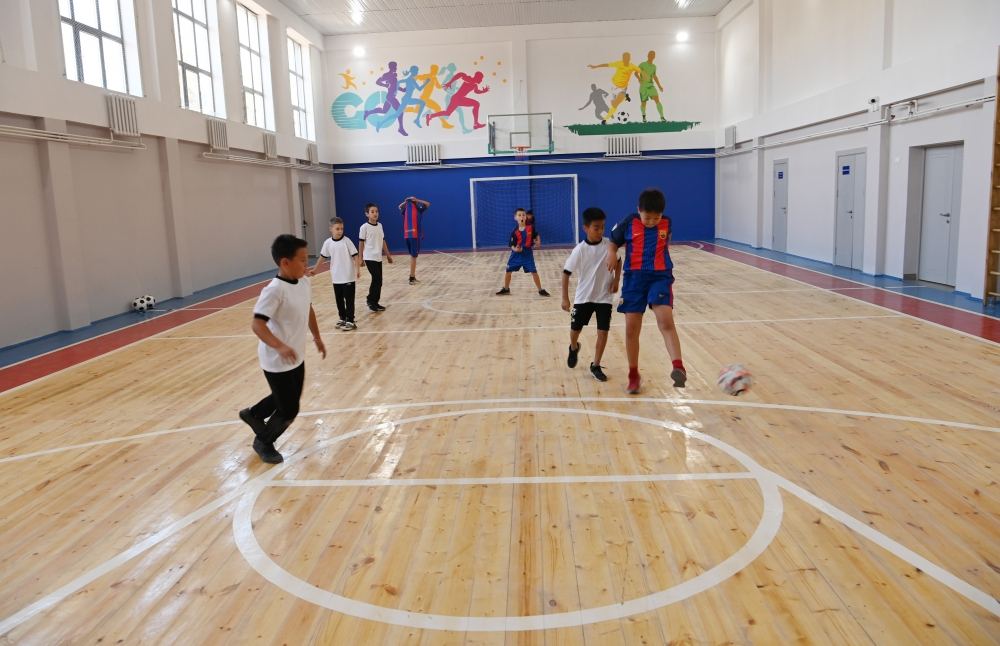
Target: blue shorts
522	260
413	246
642	288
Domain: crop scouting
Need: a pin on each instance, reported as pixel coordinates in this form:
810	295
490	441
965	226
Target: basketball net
520	153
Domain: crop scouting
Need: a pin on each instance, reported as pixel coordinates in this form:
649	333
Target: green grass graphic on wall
632	128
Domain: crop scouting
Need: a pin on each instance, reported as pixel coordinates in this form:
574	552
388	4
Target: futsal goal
552	199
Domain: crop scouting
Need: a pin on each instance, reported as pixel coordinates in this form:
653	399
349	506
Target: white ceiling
334	17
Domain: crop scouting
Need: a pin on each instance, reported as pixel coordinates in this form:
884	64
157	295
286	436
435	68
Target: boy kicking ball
649	280
595	288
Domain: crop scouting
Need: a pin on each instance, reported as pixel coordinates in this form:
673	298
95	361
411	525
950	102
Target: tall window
99	44
298	73
256	95
198	66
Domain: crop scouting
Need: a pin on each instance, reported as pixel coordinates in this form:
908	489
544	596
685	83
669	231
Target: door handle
851	212
945	215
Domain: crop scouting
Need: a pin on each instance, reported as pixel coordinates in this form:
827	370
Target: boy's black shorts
581	313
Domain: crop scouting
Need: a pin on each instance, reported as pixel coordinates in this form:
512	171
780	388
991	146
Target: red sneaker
634	384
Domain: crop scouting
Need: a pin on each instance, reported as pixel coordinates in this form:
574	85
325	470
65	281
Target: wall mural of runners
400	98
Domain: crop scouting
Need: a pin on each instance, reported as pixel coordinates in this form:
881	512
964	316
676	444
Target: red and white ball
735	380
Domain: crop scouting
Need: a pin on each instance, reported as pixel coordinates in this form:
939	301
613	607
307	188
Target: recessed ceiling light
682	36
357	15
682	4
359	51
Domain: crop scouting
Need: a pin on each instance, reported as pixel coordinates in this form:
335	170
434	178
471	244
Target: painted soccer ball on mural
622	117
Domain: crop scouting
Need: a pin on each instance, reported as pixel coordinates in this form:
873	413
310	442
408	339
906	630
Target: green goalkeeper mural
617	118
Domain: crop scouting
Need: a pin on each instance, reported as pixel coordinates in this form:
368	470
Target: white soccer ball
139	304
150	301
735	380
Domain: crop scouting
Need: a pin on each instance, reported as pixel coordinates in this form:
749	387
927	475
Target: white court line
456	256
960	586
863	285
545	327
465	402
513	480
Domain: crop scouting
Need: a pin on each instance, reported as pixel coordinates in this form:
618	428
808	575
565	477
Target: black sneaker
379	308
504	291
597	372
542	292
679	375
267	452
413	280
253	422
571	359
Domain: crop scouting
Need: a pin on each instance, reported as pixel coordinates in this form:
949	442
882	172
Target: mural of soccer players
624	70
647	89
598	99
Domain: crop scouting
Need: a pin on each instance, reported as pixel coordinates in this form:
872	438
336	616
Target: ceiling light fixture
682	4
683	37
357	15
358	51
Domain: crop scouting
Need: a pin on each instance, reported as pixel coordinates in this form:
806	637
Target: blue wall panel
689	185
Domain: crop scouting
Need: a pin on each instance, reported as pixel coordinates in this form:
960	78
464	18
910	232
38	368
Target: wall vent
270	145
622	146
312	152
122	117
218	135
422	154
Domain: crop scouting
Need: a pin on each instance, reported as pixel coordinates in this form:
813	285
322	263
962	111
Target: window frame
184	67
299	80
263	120
97	32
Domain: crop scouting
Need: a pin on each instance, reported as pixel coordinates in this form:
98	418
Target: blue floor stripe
917	288
34	347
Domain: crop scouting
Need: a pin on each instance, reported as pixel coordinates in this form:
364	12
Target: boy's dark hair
286	246
336	220
593	214
520	208
369	206
652	201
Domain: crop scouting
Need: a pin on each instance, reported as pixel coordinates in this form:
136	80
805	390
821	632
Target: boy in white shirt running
282	316
345	268
595	288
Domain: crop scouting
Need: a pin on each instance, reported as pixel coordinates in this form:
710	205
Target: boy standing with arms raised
372	241
412	209
595	288
649	280
281	317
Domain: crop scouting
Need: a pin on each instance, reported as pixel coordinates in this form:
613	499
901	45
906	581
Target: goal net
552	199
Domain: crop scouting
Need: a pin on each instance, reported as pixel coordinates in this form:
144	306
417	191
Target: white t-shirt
341	255
373	235
588	262
285	306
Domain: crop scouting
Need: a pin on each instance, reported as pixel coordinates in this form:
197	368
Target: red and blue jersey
411	212
646	248
524	238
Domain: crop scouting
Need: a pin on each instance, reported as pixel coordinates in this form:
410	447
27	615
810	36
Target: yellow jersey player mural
614	120
624	69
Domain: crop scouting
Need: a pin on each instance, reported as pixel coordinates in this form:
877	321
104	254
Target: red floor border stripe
969	322
46	364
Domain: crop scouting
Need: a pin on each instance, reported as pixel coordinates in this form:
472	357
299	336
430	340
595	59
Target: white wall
545	67
819	63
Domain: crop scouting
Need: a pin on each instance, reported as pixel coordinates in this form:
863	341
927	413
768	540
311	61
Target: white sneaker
340	325
350	325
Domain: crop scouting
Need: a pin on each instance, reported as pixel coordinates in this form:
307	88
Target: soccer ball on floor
143	303
735	380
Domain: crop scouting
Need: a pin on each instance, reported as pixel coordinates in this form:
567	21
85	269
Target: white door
850	221
779	217
939	221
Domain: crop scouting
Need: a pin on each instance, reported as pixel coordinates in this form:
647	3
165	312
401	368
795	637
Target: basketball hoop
520	153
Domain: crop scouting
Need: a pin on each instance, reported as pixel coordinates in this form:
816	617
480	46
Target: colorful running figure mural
470	84
597	97
431	83
408	86
647	89
390	81
348	80
624	70
450	90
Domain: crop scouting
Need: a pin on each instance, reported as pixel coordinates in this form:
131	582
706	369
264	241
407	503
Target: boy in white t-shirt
595	287
281	317
372	241
345	268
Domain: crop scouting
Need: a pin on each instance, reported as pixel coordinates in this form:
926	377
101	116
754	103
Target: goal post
552	198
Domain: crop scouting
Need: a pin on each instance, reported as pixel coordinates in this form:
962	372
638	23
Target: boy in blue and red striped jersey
649	280
523	240
412	209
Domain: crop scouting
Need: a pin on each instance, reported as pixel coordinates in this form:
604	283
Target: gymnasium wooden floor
451	481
